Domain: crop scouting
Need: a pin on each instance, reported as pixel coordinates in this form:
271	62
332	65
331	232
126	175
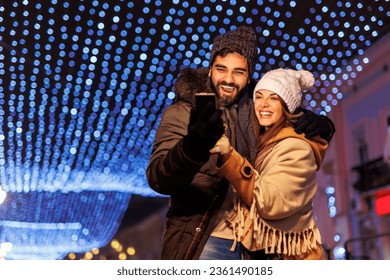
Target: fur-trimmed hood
191	81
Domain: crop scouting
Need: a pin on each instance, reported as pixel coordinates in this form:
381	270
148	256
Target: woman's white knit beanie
288	84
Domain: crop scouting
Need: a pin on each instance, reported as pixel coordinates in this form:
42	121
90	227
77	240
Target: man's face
229	76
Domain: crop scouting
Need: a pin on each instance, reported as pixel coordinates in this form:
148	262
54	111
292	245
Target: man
181	166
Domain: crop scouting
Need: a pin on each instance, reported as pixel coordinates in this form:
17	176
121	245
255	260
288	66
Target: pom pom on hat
242	40
288	84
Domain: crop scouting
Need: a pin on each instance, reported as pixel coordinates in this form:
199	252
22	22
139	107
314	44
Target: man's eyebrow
220	65
237	68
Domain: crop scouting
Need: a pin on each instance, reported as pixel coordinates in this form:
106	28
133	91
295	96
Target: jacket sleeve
241	175
169	167
332	129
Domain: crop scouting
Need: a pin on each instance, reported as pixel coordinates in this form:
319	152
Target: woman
273	202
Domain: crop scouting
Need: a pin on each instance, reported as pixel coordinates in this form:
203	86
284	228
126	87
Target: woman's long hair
286	120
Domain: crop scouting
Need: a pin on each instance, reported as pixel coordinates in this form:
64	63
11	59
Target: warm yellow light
88	256
130	251
72	256
122	256
115	243
95	251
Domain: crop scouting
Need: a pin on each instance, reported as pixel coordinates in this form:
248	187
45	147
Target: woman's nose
264	102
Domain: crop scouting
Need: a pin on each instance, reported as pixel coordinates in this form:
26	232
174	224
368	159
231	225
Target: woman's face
268	108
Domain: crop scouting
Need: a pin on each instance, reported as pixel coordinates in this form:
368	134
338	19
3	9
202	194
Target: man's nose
229	78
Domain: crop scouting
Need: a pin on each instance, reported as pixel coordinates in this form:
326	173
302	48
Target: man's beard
225	100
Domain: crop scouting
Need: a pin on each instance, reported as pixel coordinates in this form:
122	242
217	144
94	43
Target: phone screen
201	99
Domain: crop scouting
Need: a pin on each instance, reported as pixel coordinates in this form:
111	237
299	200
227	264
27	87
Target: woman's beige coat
274	211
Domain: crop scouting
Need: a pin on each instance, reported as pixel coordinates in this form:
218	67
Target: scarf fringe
255	233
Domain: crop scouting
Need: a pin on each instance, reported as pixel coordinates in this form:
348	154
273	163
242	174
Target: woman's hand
222	148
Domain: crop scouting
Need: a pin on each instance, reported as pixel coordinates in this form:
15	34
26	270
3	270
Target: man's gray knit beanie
242	40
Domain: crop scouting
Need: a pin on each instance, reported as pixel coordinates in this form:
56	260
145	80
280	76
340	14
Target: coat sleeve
241	175
169	167
287	181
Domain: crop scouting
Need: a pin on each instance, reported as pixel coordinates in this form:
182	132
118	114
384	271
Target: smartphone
202	98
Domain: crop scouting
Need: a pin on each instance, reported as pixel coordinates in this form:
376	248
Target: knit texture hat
288	84
242	40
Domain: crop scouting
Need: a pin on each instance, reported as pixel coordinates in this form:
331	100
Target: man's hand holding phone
205	128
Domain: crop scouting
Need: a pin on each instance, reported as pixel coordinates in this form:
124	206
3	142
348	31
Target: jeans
219	249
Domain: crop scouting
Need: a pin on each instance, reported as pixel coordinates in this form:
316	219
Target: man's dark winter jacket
196	190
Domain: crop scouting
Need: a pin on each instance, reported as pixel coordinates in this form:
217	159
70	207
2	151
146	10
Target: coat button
247	170
198	229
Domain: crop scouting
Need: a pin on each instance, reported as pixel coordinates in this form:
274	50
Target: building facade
353	202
